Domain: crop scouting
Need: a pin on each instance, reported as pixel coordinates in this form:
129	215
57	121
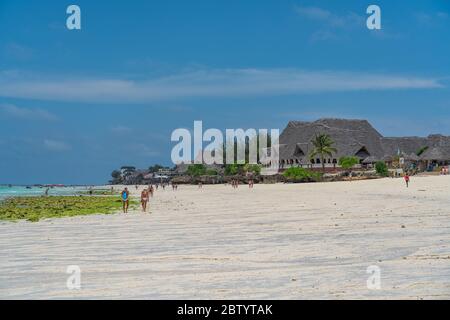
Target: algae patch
36	208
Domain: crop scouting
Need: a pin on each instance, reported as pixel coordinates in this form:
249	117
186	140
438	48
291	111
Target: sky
77	104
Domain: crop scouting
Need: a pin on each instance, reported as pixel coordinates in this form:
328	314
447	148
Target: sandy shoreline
273	242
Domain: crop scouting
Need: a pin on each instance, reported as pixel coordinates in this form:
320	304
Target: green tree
421	151
196	170
116	175
128	170
382	169
322	147
232	169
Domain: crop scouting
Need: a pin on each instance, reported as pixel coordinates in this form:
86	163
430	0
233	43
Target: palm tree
323	147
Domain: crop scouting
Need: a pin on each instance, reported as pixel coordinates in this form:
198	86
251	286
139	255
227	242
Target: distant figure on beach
90	191
200	185
150	190
125	199
112	190
46	192
144	200
250	183
407	180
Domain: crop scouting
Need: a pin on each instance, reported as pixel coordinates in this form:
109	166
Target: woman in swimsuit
144	199
125	199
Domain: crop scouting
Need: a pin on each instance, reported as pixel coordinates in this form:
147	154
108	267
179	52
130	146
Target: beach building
360	139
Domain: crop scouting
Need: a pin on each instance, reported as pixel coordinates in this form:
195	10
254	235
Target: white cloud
430	18
349	19
207	83
18	51
120	129
27	113
54	145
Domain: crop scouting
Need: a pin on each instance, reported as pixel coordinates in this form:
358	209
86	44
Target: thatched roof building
357	138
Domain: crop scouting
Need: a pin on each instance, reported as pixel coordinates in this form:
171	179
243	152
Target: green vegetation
116	177
99	192
252	168
382	169
211	172
421	151
322	147
301	174
233	169
196	170
348	162
128	170
242	169
36	208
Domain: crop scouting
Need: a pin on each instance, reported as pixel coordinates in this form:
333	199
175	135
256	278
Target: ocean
20	191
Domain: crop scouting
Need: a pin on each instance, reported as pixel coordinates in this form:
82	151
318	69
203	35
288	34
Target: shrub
232	169
254	168
382	169
301	174
348	162
196	170
211	172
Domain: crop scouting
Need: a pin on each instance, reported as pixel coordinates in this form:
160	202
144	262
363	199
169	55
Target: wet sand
304	241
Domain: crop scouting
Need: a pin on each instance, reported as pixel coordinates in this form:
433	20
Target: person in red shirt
407	180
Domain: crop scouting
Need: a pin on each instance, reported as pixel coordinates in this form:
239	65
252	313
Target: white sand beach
281	241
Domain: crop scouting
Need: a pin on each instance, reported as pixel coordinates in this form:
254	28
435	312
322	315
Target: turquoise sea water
18	191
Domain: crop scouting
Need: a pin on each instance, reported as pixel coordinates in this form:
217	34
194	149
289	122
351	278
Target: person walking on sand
125	199
150	190
144	200
407	180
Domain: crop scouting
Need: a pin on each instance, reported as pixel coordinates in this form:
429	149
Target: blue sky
74	105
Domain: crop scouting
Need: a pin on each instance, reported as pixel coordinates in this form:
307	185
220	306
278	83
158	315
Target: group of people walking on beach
235	183
146	194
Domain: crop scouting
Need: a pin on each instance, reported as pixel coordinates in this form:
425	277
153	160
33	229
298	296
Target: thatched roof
403	145
371	159
439	153
358	138
411	157
351	137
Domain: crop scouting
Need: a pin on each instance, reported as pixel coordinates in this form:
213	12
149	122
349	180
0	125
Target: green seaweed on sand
99	192
36	208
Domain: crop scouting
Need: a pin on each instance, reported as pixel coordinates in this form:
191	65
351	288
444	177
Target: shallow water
21	191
